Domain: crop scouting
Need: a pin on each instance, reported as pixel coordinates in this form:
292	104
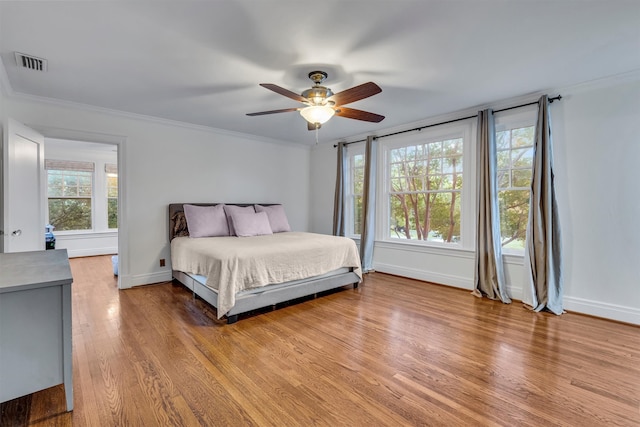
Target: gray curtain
367	234
543	259
489	273
338	202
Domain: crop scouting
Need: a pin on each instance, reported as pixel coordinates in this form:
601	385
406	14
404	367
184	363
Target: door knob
16	232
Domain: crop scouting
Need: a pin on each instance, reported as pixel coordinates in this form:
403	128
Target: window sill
68	235
513	258
456	251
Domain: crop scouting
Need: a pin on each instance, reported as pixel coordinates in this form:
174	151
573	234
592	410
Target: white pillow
206	221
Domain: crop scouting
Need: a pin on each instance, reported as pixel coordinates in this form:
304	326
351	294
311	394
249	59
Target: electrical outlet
161	262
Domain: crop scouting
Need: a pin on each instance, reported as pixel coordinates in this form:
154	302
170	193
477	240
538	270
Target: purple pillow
277	217
206	221
251	224
231	210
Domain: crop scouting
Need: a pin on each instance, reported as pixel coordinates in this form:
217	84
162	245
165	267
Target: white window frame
515	119
110	170
352	151
69	168
99	202
460	129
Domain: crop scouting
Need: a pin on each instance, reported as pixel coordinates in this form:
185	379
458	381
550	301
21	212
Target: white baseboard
577	305
427	276
600	309
441	279
145	279
76	253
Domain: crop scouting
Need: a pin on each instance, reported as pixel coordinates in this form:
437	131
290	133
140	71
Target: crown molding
145	118
601	83
565	91
10	93
452	115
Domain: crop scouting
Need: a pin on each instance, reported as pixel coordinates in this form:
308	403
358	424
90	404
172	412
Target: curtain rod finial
555	98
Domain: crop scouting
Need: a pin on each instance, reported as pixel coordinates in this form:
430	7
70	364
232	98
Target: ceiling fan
322	104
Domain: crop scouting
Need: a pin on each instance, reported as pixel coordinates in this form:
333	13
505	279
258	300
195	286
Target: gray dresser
35	323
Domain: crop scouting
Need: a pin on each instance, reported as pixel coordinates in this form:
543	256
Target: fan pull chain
317	134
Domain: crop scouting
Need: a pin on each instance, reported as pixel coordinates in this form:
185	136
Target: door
23	189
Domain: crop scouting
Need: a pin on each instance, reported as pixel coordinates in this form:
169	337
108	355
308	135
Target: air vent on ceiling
31	62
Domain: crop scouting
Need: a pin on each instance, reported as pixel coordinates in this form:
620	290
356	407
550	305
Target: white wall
167	162
597	135
596	131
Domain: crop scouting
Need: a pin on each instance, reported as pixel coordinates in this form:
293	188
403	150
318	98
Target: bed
240	274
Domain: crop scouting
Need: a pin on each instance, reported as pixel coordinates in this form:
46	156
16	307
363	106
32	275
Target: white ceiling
200	62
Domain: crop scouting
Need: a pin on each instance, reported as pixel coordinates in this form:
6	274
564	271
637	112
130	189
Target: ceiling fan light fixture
317	114
317	95
322	104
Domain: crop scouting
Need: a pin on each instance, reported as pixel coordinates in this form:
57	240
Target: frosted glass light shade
317	114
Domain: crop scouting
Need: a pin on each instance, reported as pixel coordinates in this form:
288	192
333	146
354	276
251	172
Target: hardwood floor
392	352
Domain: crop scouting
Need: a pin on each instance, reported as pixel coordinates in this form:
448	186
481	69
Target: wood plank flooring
393	352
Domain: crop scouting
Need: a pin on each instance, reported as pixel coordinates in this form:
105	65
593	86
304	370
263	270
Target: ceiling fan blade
285	92
356	93
262	113
352	113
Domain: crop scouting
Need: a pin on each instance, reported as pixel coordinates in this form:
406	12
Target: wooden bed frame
260	297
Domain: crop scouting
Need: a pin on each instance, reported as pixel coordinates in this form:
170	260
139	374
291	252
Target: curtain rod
555	98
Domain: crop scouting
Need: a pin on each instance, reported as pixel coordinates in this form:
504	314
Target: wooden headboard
178	222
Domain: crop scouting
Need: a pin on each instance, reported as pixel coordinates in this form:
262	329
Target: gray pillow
251	224
206	221
277	217
231	210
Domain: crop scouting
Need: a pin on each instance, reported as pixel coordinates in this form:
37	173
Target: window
355	190
112	195
69	194
357	185
81	197
514	143
423	188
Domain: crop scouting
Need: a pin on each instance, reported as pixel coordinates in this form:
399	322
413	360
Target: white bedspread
233	264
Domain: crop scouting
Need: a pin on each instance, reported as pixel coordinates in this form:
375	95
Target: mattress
232	265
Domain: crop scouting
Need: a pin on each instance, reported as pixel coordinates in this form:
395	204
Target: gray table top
20	271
